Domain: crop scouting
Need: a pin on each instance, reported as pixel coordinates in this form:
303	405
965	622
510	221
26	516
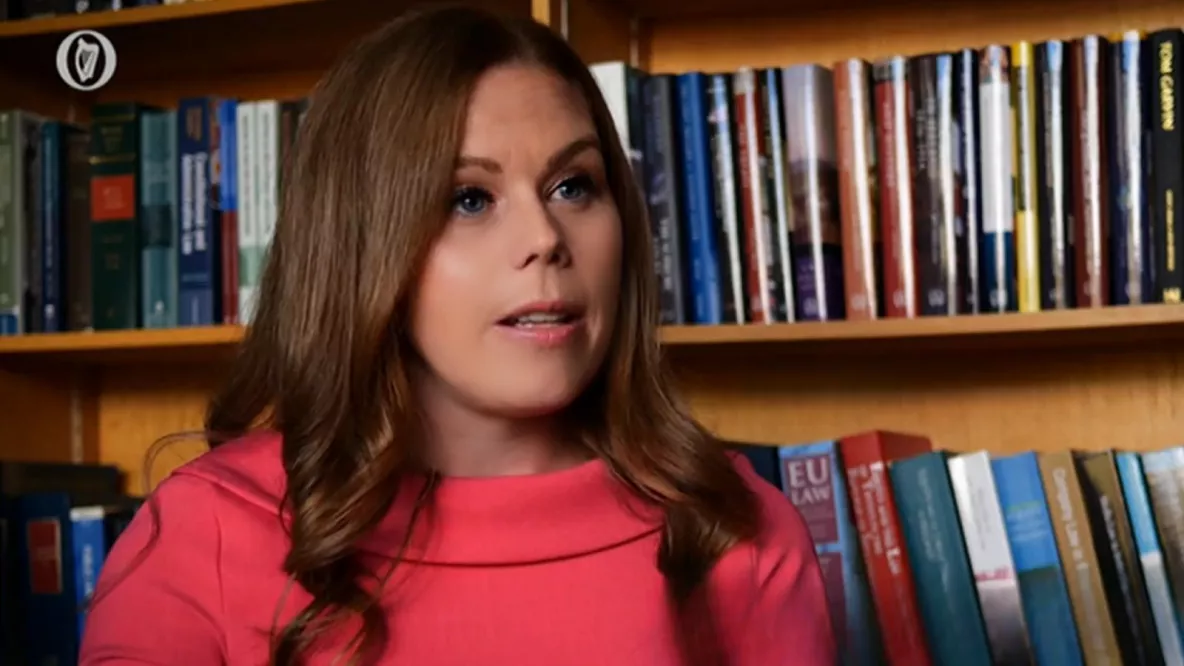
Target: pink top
534	570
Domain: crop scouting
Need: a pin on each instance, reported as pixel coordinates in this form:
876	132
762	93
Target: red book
894	149
866	457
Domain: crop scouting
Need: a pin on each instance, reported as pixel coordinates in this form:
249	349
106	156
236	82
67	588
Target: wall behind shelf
139	404
1003	400
46	415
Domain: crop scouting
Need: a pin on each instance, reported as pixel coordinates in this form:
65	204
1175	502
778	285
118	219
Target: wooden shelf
1105	327
1102	326
182	345
135	16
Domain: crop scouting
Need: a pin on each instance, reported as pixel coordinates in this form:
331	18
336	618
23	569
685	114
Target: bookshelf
1086	378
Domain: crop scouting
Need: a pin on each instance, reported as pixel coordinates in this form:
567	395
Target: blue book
812	476
1155	575
945	582
1045	596
62	551
699	201
228	194
199	275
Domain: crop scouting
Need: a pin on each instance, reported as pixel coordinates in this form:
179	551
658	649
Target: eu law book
812	476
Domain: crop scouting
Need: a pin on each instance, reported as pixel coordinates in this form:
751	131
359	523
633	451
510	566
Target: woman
448	439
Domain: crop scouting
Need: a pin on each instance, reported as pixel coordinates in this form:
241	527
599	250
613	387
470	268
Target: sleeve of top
772	591
158	600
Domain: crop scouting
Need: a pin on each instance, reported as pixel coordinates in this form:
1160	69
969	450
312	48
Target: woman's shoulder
782	549
769	592
247	470
782	527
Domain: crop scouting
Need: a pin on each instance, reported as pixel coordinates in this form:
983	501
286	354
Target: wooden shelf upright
1110	377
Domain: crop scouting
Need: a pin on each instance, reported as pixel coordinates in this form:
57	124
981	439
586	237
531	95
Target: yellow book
1027	234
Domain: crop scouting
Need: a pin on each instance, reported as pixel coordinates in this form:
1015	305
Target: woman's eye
471	201
574	189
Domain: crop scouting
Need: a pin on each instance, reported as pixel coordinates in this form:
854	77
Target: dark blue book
198	264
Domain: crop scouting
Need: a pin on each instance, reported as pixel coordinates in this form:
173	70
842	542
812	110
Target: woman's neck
463	443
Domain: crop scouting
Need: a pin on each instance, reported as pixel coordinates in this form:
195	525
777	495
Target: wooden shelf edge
985	325
134	16
1128	319
98	341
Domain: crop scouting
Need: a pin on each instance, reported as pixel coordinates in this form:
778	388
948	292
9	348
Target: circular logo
86	60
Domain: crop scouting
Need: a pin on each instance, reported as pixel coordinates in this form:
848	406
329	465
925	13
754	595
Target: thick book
985	532
945	581
1167	149
1077	543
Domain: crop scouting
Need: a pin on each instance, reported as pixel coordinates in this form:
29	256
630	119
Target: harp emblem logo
86	60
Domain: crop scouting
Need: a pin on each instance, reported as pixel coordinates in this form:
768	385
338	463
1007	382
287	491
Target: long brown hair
324	361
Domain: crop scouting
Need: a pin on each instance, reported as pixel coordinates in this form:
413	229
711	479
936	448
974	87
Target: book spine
78	228
1078	552
47	571
997	157
1027	238
813	172
198	291
1091	215
699	201
945	583
267	179
1151	560
11	239
967	177
854	136
663	190
1053	165
894	155
753	205
53	257
88	534
1164	474
776	230
634	85
247	219
922	85
1047	609
1118	560
812	477
30	182
721	124
1130	275
985	533
158	205
890	572
935	235
227	189
1168	154
115	230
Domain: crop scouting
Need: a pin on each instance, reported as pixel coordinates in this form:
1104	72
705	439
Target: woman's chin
532	404
531	408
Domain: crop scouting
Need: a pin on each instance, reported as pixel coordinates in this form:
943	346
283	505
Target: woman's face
517	300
